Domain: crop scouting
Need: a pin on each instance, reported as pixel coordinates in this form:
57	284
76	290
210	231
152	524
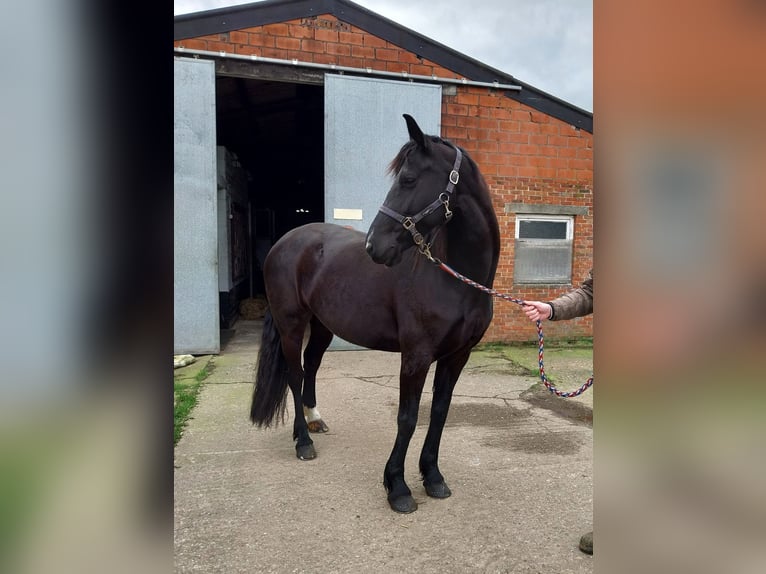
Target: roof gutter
335	68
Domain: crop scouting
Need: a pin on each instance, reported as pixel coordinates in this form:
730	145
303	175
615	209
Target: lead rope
543	377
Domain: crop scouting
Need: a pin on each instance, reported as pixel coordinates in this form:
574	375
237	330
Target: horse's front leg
447	372
410	389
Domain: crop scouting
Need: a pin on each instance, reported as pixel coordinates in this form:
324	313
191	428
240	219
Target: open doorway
273	133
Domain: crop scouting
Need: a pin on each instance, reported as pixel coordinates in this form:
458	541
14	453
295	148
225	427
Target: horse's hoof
403	504
318	426
306	452
438	490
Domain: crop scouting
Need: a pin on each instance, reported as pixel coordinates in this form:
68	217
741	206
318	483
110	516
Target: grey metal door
195	244
364	130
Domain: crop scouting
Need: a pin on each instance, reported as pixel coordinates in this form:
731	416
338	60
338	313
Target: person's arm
575	303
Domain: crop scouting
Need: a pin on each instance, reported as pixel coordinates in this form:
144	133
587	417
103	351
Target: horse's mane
398	162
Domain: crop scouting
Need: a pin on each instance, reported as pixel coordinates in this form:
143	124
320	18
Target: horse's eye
406	180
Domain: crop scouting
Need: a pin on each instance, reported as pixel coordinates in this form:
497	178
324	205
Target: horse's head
425	174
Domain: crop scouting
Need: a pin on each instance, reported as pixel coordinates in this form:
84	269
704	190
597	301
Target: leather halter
409	221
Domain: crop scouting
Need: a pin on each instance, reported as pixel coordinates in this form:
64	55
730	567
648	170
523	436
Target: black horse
384	294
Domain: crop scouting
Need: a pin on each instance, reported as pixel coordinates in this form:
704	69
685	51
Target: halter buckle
444	198
407	223
454	177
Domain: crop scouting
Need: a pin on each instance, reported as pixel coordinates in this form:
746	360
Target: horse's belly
364	327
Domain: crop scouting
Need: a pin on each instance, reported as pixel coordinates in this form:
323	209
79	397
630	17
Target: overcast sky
546	43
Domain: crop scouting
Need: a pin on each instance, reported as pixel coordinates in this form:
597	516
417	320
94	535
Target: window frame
569	219
531	243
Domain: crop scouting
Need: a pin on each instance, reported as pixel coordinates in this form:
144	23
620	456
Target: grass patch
185	392
523	356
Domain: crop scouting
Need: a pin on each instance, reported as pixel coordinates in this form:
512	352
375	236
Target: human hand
537	310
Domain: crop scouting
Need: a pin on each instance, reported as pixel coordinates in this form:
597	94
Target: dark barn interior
276	130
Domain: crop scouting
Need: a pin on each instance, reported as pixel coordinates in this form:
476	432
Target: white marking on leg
311	414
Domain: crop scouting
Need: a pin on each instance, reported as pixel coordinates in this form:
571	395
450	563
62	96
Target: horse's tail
271	380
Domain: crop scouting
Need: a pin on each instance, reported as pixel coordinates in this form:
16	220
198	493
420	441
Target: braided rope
543	377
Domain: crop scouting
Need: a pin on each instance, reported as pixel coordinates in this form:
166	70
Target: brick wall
525	155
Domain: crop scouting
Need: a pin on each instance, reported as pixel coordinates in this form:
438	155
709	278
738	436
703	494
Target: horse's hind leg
292	343
319	340
447	372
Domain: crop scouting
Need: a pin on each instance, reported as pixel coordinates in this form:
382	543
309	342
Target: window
543	251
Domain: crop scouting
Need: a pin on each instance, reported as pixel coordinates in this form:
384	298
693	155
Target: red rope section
543	377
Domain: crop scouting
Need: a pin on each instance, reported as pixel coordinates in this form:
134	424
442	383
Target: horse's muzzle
388	256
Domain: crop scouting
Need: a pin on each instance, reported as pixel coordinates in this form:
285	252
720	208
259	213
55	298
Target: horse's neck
473	242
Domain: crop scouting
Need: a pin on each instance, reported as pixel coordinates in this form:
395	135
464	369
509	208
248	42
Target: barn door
364	130
195	244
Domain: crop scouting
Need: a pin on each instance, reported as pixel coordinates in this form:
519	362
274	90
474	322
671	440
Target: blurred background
680	326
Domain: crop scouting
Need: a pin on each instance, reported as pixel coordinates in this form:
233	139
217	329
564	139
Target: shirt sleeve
575	303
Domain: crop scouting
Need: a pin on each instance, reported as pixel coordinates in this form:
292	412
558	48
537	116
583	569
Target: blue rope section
494	293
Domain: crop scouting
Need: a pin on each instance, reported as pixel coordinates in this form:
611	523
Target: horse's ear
416	133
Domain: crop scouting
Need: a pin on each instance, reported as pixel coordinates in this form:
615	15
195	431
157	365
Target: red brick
338	49
507	170
273	53
374	41
547	151
238	37
509	126
350	38
453	133
323	35
409	57
376	65
362	52
386	54
277	29
467	121
486	146
527	149
421	70
261	40
247	49
557	140
325	59
457	109
220	47
290	43
300	31
501	113
309	45
521	115
193	44
468	99
350	62
575	142
397	67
